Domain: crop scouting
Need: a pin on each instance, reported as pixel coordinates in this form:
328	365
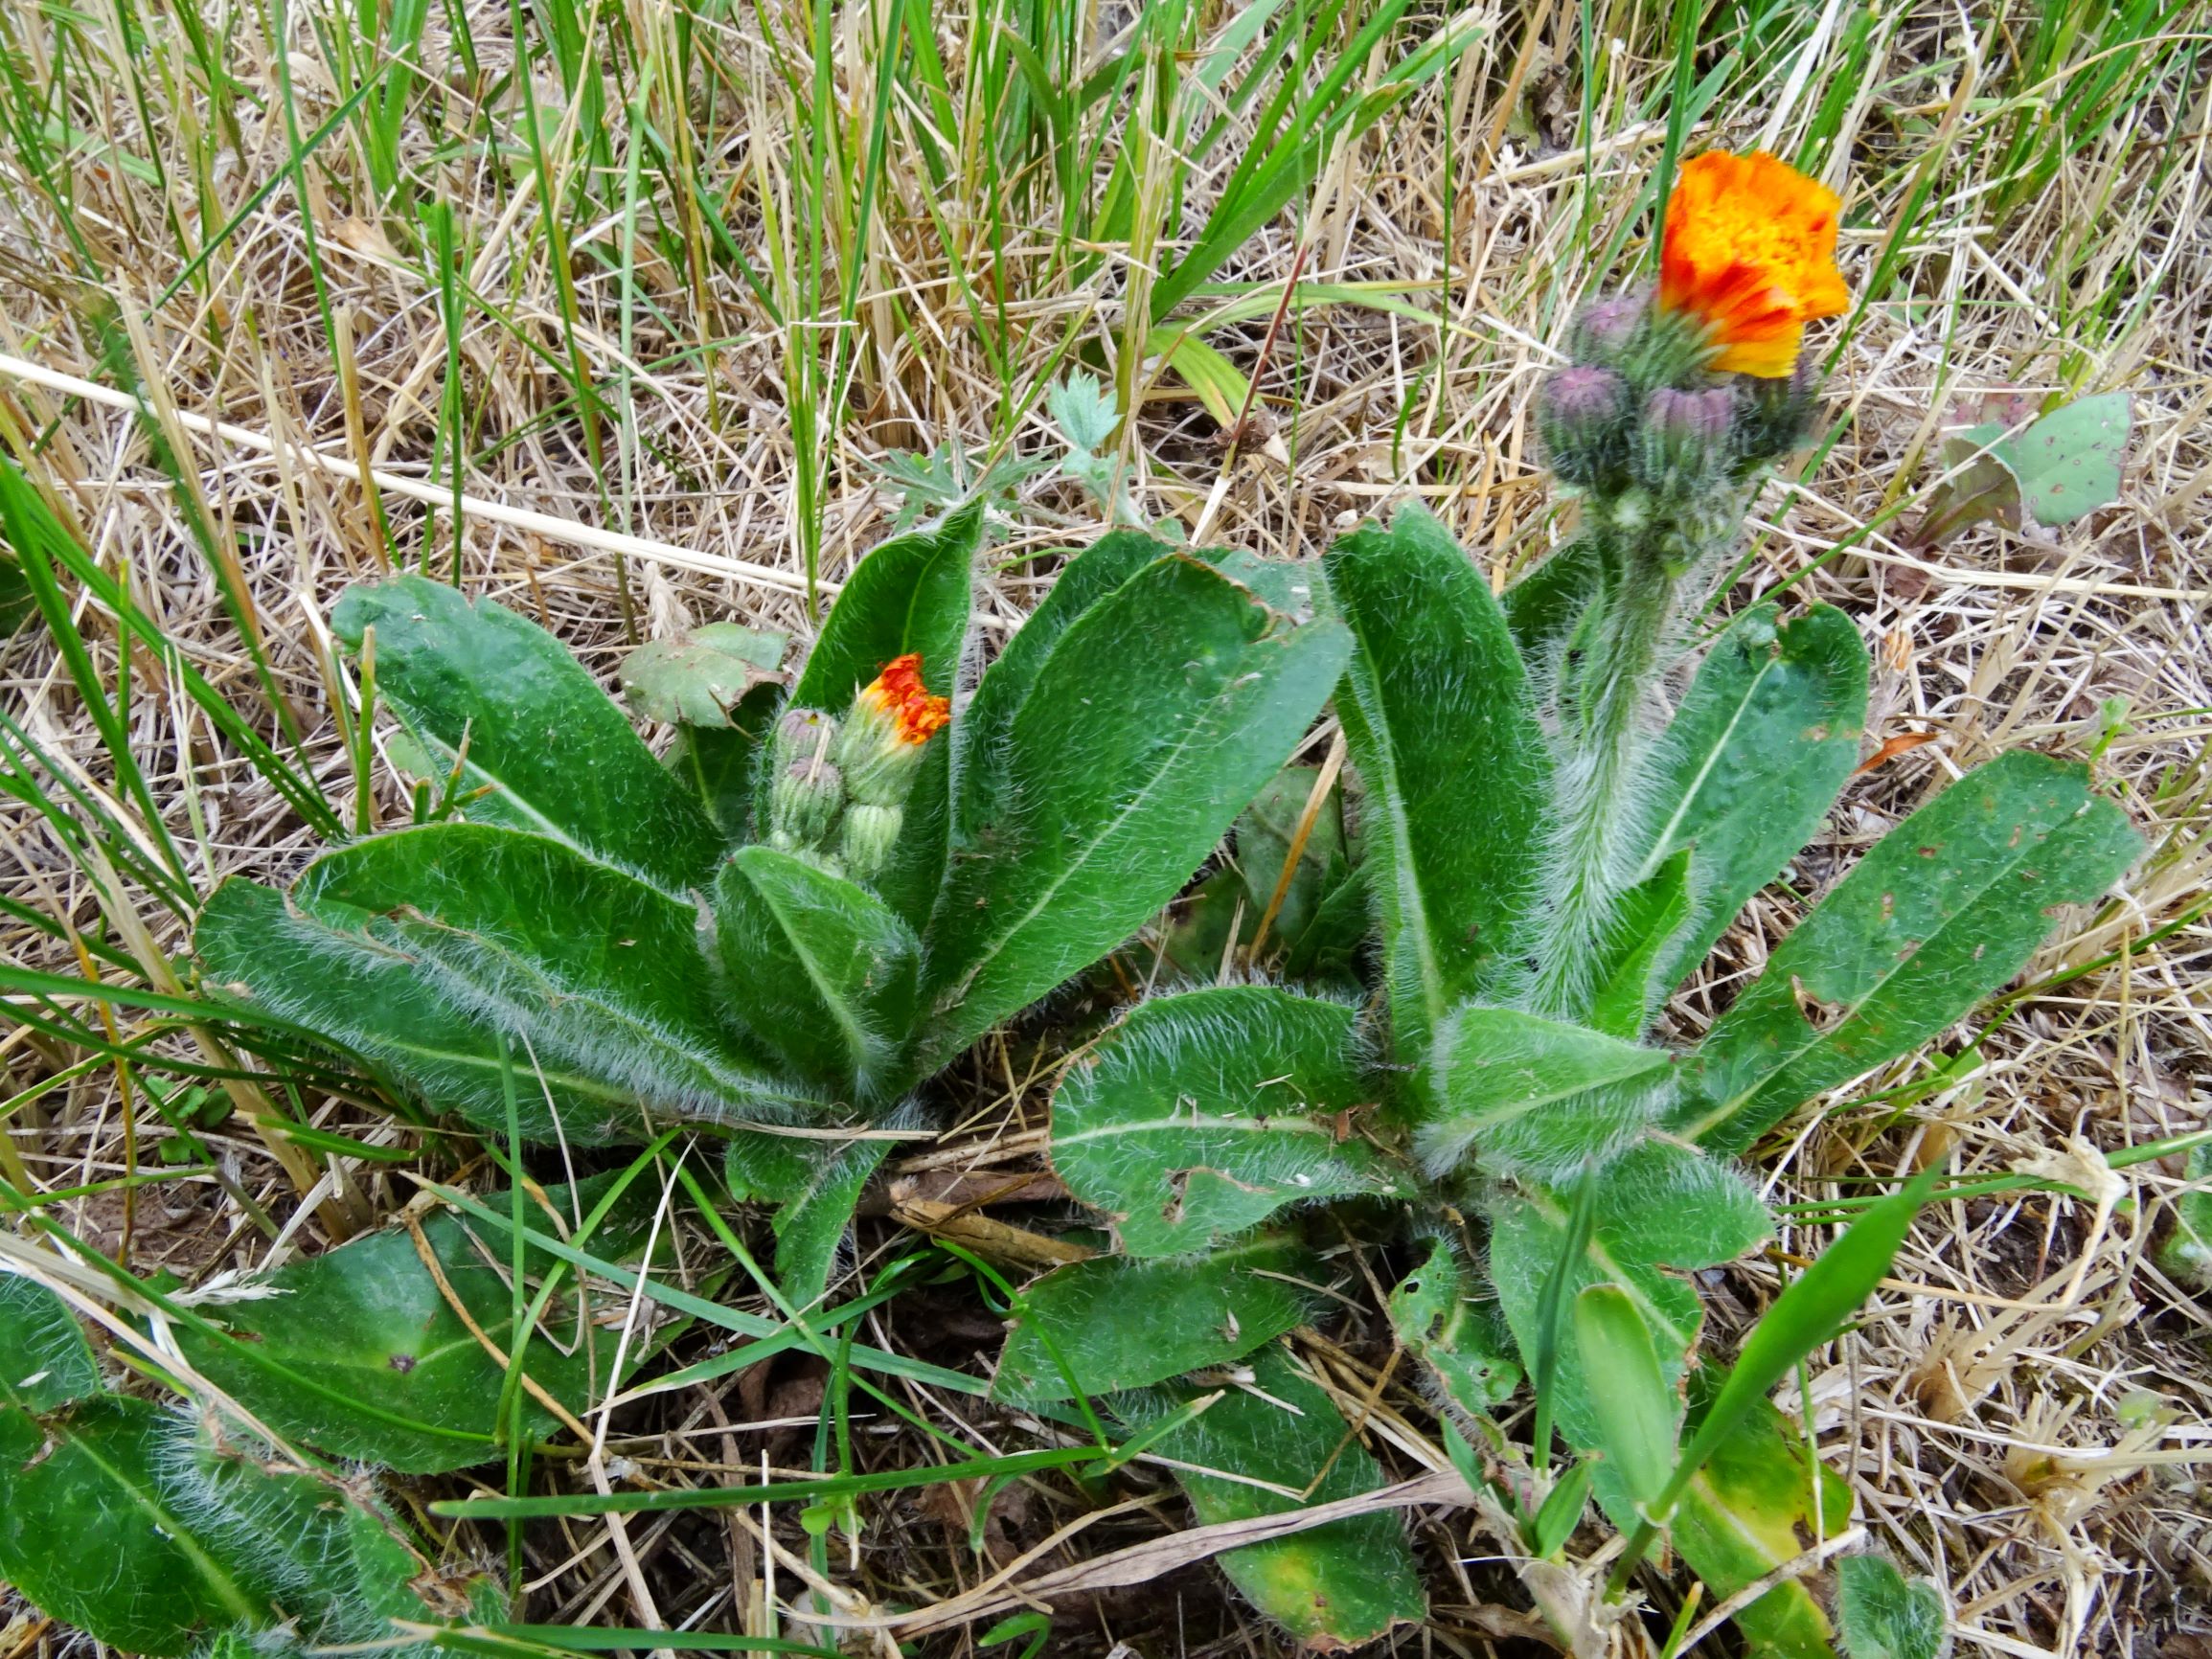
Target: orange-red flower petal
898	692
1750	250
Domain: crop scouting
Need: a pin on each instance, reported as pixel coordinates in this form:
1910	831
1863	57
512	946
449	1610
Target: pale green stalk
1604	764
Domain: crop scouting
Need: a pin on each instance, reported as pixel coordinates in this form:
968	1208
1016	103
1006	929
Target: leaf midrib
640	1025
232	1594
328	941
854	1035
1797	1601
251	1355
1720	1505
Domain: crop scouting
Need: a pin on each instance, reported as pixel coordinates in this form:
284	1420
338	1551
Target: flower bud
892	719
804	803
1629	510
1683	446
1694	528
802	735
1581	416
1606	329
869	834
1774	416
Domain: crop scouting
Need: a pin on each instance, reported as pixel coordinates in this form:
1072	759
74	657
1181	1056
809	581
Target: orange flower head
1749	251
898	694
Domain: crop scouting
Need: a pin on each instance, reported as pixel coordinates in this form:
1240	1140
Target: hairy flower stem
1599	783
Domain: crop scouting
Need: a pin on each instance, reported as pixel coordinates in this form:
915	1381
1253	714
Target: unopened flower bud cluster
1661	445
1678	396
837	788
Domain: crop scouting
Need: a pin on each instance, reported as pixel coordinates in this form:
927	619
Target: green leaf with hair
45	1362
1199	1115
1442	729
820	970
359	1354
1119	1322
1280	1445
1085	806
1945	908
547	751
1658	1212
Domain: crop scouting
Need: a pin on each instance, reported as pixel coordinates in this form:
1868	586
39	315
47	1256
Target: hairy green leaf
1441	727
978	780
1289	584
45	1361
1649	918
552	751
595	970
980	734
1332	1587
1465	1344
820	970
1545	605
1752	762
816	1186
1880	1614
1658	1211
1117	1321
92	1532
358	1353
324	969
1530	1093
914	875
119	1518
909	594
1156	715
1201	1115
1942	912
